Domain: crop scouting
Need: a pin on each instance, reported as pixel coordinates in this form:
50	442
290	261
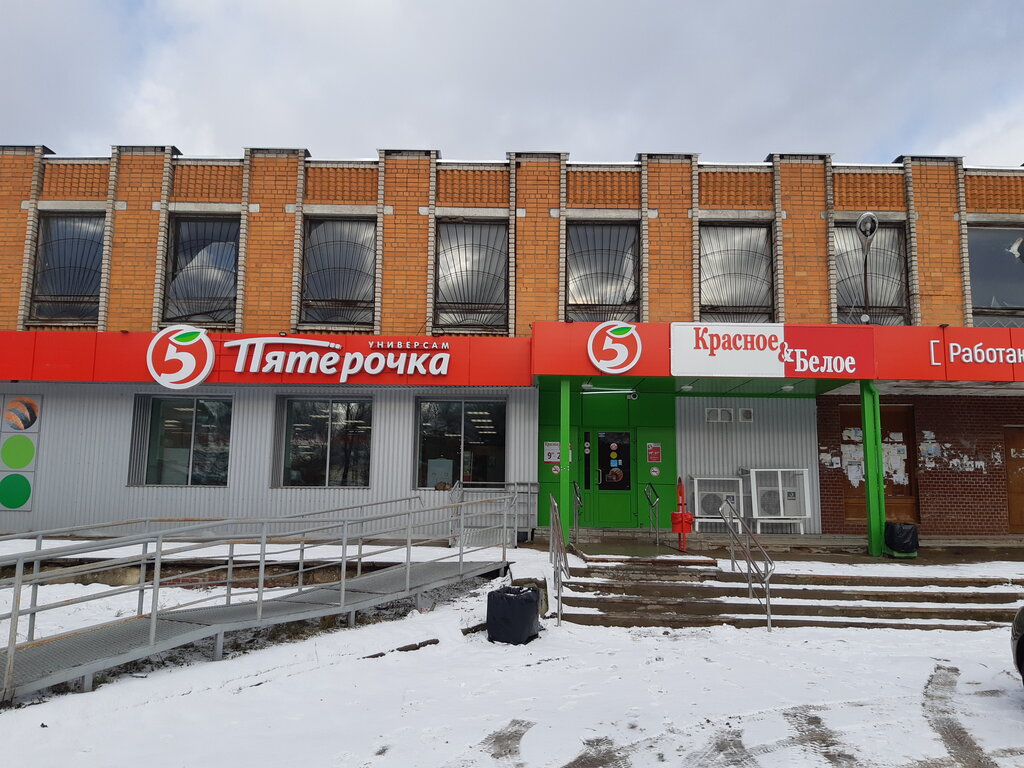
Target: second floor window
997	276
602	272
202	267
887	299
736	283
338	271
68	266
472	277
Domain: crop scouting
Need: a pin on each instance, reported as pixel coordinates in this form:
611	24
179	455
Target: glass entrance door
608	479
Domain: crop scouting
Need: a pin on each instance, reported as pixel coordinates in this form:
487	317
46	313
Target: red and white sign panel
772	350
601	349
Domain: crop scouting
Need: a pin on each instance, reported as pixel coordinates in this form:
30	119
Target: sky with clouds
733	80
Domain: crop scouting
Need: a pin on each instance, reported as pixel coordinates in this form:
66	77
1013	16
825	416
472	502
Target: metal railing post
12	639
33	600
344	559
142	579
154	606
262	571
231	572
408	550
504	529
302	562
462	540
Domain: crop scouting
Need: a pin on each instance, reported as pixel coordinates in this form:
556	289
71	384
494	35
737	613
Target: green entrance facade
622	433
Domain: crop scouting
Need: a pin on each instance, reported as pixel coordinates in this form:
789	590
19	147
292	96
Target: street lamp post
867	226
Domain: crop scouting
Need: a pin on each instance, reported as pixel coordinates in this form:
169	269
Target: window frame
457	477
635	305
143	439
281	442
849	314
743	313
1012	315
438	307
173	240
33	318
310	221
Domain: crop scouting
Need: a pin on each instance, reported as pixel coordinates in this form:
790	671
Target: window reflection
603	272
736	275
997	276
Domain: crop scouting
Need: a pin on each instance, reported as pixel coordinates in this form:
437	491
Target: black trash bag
901	537
512	615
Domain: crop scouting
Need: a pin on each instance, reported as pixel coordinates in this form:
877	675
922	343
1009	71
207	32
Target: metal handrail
747	542
652	511
577	507
273	538
558	555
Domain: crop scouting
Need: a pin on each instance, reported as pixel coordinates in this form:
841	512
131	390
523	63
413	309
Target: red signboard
599	349
181	357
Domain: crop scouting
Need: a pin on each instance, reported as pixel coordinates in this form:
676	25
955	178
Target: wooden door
899	461
1014	443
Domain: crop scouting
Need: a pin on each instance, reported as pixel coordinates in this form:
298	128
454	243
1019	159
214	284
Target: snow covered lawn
577	697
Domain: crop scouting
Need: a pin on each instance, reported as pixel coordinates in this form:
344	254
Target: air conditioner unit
769	503
710	502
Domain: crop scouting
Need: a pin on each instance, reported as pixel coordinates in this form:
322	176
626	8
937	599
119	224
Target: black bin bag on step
512	615
901	537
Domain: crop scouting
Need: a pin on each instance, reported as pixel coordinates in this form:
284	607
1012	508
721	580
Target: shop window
327	443
184	441
338	272
736	283
471	291
603	272
887	277
69	259
202	267
461	440
997	276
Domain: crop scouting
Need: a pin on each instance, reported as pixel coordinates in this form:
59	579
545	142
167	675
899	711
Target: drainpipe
874	477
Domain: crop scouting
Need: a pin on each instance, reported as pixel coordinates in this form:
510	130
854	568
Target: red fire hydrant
682	521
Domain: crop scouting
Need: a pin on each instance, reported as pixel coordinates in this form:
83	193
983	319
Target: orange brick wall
537	269
75	182
805	242
133	251
603	189
269	257
736	189
869	192
15	186
938	244
406	240
995	194
670	239
480	189
207	184
341	186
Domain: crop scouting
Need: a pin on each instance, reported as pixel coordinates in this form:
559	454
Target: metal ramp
246	595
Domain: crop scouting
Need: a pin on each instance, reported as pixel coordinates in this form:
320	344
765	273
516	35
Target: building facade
409	295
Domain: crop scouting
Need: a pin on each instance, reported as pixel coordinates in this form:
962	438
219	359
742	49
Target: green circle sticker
17	452
14	491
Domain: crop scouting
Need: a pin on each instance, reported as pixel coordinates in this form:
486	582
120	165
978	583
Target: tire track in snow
941	717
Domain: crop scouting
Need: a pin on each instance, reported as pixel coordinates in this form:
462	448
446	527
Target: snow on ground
577	697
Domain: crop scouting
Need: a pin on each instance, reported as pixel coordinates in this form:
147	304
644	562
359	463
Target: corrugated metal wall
783	434
82	467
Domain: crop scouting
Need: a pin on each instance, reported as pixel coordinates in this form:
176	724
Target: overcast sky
733	80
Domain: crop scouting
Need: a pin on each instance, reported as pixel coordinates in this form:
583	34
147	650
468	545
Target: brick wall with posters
961	480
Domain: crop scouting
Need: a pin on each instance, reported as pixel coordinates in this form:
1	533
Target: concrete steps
677	593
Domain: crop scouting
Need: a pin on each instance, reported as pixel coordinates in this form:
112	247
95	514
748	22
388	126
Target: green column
564	479
874	477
